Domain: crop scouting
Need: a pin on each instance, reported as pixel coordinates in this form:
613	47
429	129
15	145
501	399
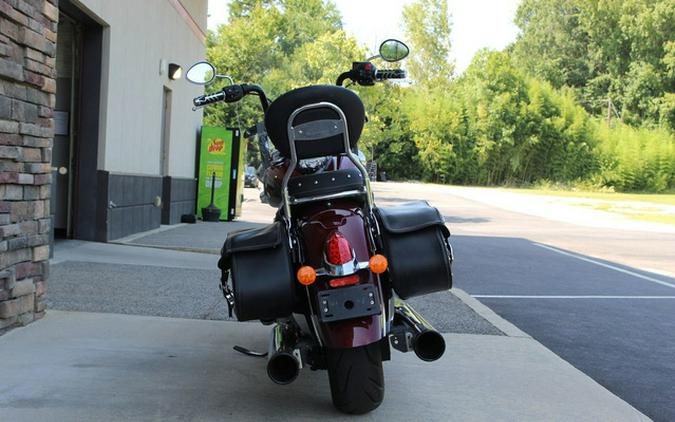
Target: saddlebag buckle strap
227	293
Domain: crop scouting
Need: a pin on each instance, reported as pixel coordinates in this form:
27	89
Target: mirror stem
229	78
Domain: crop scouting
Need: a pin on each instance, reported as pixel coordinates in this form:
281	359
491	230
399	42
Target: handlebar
342	77
231	94
366	74
389	74
203	100
256	90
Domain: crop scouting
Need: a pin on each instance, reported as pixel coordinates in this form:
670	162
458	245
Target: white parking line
567	297
611	267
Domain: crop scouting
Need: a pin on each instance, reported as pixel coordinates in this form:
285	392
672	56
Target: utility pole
609	110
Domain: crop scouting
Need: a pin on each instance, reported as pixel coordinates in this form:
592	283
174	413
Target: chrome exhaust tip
410	331
284	356
283	368
429	345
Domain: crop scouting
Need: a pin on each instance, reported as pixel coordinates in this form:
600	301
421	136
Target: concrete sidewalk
110	367
124	279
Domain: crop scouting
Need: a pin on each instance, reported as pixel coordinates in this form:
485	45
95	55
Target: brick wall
27	86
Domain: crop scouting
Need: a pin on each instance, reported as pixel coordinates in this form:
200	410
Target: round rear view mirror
393	50
201	73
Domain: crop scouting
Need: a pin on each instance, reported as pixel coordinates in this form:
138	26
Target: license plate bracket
348	302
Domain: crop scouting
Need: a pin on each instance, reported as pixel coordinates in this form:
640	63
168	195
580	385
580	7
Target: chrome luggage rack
320	129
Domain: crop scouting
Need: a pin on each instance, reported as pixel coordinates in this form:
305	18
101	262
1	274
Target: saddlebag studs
334	182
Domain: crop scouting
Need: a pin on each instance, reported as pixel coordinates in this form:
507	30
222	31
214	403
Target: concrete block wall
27	87
178	198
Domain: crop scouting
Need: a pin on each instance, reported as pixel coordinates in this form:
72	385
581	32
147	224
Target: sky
475	23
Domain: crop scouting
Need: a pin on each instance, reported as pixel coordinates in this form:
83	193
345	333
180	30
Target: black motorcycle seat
325	183
279	112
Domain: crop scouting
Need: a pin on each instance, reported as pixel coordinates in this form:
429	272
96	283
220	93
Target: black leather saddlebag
260	266
415	242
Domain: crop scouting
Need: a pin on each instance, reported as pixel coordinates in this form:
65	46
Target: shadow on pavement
198	236
461	220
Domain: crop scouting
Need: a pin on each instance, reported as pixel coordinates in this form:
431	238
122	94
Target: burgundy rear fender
345	218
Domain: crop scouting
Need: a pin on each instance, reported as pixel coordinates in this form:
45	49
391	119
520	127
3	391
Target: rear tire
356	378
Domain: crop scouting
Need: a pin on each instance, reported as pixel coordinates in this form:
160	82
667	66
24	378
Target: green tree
245	49
618	49
520	129
306	20
319	61
243	8
258	44
425	105
427	28
552	45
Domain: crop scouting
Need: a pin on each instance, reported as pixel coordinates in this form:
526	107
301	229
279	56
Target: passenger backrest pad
326	141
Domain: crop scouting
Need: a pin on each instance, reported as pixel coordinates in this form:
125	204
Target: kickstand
249	352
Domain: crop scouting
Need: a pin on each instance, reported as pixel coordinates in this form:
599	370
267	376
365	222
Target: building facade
97	132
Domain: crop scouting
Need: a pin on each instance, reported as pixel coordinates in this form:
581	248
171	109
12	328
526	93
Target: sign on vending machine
218	162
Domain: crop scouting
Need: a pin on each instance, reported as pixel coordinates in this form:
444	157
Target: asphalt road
579	291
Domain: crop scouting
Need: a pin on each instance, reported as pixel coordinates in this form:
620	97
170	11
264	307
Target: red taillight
344	281
338	249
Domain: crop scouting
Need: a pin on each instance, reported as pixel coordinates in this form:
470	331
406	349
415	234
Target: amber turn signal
378	264
306	275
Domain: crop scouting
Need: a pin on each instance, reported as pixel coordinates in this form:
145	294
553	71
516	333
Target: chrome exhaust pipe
411	331
284	361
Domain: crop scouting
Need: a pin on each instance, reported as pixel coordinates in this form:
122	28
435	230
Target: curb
488	314
209	251
126	240
130	241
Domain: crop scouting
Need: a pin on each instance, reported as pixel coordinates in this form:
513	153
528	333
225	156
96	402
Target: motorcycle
332	272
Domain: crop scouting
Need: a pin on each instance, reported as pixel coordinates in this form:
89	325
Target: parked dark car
250	178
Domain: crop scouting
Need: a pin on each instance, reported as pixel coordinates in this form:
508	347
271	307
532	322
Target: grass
649	214
631	205
653	198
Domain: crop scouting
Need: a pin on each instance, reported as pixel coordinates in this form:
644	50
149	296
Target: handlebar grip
203	100
390	74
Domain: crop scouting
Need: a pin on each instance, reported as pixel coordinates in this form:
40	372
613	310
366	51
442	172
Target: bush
635	159
494	125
